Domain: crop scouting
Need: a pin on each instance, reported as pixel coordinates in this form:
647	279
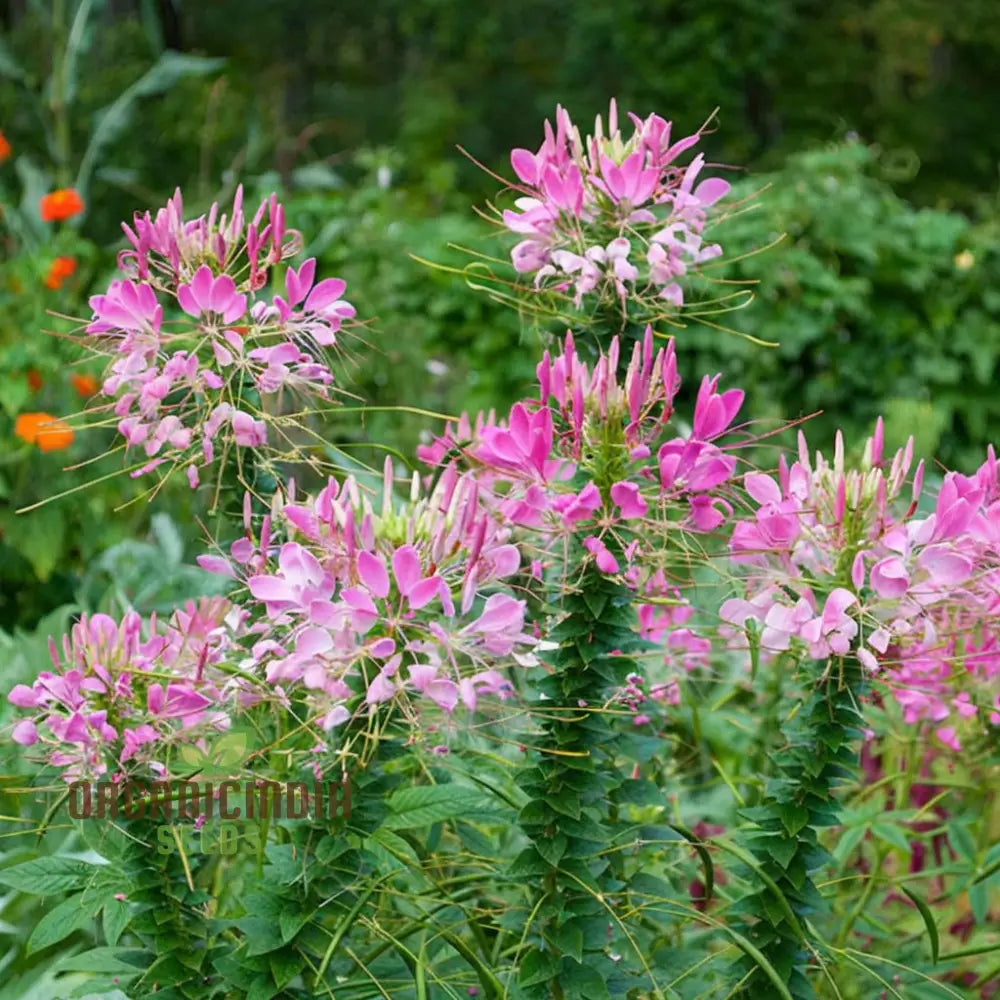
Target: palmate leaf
113	120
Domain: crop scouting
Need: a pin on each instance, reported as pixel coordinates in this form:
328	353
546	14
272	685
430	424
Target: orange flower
85	385
4	148
34	379
48	432
60	270
60	205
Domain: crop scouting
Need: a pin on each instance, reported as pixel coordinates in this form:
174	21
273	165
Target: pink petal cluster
195	344
122	694
577	192
533	461
838	561
361	607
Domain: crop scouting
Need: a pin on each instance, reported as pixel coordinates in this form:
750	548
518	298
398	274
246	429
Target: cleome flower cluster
841	561
201	355
357	606
126	693
611	216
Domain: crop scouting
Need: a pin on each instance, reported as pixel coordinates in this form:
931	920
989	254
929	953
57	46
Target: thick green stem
574	785
820	752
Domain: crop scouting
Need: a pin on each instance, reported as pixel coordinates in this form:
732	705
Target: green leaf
979	902
959	835
582	981
39	537
115	919
925	912
46	876
569	940
848	842
392	849
262	934
793	817
285	966
14	393
104	960
59	922
537	967
291	920
428	804
892	835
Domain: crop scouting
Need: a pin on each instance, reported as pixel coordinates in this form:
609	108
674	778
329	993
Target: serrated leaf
429	804
59	922
46	876
114	920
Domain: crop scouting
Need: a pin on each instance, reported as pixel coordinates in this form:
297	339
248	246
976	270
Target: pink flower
605	561
714	412
208	294
889	577
25	733
832	632
629	500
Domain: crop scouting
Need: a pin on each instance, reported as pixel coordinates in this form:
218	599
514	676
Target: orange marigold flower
34	379
48	432
60	205
85	385
4	148
60	270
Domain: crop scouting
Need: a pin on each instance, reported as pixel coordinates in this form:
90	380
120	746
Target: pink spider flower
573	189
178	386
107	668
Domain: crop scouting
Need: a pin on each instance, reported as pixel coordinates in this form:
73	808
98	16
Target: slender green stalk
819	755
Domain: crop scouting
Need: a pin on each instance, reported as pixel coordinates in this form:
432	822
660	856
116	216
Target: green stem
574	786
819	754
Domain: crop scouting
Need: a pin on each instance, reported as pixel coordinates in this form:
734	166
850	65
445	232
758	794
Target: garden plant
618	691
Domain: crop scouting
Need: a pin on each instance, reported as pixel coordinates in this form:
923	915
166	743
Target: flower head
121	692
195	343
57	206
59	270
611	215
42	429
